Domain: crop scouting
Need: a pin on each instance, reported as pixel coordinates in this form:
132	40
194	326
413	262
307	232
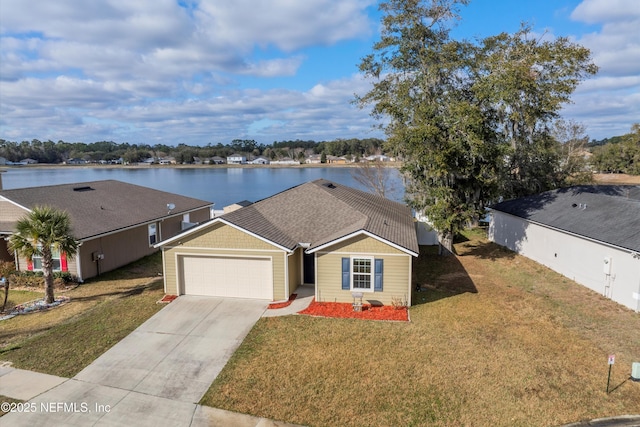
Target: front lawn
494	340
64	340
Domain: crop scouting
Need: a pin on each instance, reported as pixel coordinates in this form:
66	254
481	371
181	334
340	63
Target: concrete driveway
157	374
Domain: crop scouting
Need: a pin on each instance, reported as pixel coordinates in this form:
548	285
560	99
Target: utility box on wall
607	266
635	371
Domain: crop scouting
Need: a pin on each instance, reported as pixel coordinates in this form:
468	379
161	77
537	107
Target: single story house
236	159
590	234
285	161
336	160
260	161
314	159
115	222
339	239
217	160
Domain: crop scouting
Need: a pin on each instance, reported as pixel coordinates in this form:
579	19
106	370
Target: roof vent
574	205
87	188
329	185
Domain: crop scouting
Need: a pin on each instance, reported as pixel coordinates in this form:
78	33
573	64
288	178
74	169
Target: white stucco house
236	159
590	234
260	161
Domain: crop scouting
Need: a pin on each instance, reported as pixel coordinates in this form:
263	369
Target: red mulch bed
167	299
345	310
282	304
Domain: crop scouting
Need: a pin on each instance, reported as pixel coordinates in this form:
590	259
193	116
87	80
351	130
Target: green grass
64	340
498	340
18	297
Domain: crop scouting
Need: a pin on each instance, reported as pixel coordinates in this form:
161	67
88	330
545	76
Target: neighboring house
314	159
237	159
115	222
378	158
590	234
236	206
28	161
336	160
75	161
3	161
217	160
285	161
337	238
167	161
427	235
259	161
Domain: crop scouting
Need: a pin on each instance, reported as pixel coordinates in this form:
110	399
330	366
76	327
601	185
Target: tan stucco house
115	222
339	239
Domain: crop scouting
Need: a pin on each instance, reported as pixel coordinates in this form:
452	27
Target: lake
222	186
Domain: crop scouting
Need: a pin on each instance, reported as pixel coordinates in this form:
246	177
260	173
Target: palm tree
38	234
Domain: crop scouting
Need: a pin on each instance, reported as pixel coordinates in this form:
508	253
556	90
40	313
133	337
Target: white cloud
597	11
610	102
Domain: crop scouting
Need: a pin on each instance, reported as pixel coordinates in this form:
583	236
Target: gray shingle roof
100	207
320	212
607	213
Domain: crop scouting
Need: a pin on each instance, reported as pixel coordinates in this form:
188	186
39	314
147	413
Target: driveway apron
155	375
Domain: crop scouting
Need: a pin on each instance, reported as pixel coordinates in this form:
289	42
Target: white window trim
371	274
54	258
155	225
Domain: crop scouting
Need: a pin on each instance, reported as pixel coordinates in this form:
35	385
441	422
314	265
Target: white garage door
227	277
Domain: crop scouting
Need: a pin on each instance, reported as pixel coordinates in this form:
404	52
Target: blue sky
199	72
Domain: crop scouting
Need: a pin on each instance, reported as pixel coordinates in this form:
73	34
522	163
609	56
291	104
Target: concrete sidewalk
154	376
89	404
305	294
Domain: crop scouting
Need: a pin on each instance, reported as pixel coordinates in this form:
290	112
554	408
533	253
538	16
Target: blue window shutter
377	284
346	274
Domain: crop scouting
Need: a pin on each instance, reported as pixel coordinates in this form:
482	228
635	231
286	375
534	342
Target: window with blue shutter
362	273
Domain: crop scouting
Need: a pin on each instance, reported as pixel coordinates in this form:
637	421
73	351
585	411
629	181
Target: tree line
619	154
108	151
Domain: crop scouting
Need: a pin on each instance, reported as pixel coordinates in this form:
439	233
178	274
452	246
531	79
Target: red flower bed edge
345	311
276	305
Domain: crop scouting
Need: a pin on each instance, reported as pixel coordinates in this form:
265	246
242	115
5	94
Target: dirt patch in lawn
346	311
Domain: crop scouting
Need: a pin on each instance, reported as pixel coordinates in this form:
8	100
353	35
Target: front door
309	267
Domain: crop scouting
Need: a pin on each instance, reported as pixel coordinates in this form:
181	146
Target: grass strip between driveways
64	340
68	348
494	340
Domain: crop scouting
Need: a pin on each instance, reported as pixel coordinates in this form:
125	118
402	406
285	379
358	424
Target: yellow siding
224	236
363	244
221	239
396	271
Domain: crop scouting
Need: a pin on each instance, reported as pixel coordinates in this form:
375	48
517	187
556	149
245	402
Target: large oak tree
471	120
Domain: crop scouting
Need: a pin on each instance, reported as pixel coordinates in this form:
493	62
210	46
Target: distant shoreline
191	166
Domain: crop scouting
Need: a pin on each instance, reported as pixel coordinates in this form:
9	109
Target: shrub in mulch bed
345	310
282	304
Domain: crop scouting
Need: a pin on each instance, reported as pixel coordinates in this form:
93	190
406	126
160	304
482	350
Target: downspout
636	256
79	263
